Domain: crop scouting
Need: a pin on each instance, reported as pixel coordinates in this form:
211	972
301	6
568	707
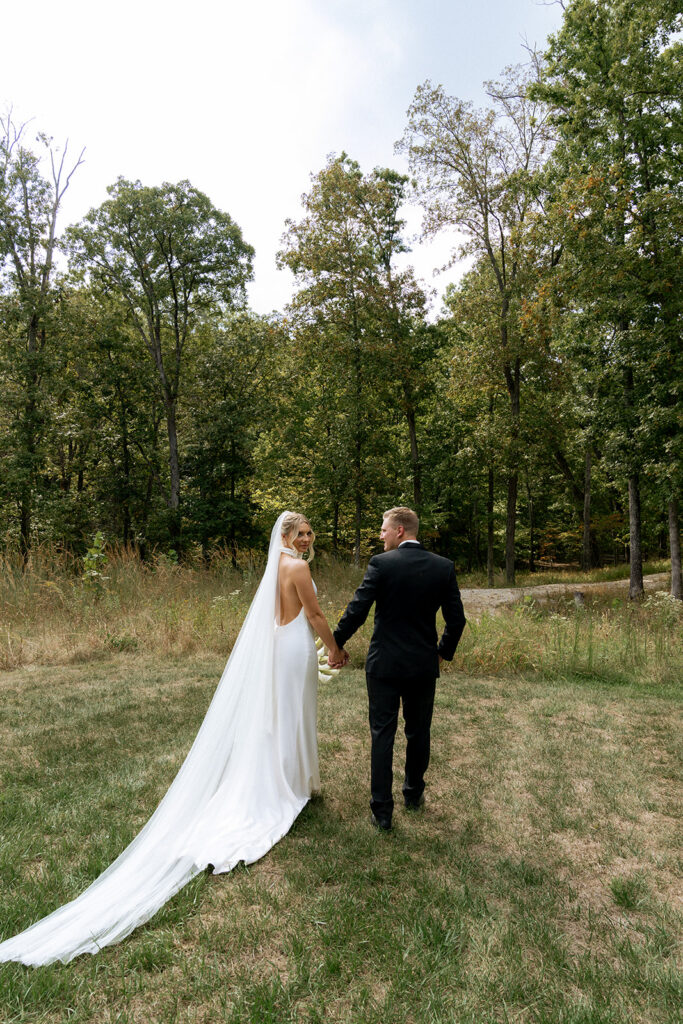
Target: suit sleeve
454	617
359	606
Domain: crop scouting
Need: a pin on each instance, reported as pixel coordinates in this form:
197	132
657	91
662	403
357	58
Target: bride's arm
312	610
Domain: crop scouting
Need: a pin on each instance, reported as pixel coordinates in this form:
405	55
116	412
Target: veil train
230	801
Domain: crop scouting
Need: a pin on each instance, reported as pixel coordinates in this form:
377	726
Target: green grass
609	640
538	884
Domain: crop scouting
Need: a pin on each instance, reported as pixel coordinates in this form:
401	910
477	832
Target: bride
249	772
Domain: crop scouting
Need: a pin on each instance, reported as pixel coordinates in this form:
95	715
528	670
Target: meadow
55	614
539	884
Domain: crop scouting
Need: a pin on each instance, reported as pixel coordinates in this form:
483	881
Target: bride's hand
337	657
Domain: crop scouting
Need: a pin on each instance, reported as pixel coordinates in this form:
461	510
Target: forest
535	418
153	426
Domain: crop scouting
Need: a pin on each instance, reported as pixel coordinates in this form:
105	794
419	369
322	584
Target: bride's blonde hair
290	526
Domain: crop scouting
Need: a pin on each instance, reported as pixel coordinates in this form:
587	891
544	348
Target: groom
408	585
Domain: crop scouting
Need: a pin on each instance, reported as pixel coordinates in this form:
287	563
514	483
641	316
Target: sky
248	99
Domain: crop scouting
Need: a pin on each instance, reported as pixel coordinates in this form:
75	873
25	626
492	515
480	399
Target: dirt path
476	601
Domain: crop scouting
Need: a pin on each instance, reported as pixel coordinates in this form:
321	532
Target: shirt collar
409	542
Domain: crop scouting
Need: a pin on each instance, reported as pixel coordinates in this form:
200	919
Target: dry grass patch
536	886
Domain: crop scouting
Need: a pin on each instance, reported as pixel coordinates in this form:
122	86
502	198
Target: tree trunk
30	424
233	491
513	379
25	526
470	539
675	549
635	589
335	527
125	453
510	530
145	514
586	552
126	524
356	540
489	530
174	468
415	460
477	534
359	434
532	563
579	503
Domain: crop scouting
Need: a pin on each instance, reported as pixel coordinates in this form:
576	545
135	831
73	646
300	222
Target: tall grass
52	614
609	639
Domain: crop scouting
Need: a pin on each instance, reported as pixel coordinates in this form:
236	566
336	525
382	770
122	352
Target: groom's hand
337	657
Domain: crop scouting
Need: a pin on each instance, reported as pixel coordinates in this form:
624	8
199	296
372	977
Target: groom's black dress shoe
383	824
413	805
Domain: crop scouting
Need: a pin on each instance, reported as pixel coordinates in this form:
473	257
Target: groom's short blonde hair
405	517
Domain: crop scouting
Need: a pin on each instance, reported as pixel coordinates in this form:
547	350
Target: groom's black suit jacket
408	586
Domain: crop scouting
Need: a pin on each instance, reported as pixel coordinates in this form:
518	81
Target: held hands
337	657
329	664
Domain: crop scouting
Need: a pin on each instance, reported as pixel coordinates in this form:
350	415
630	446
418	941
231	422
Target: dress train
249	773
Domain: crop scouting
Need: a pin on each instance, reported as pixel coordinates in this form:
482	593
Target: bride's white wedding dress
250	771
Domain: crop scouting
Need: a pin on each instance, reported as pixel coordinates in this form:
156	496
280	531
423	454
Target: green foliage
613	83
94	561
140	398
232	401
479	173
172	255
175	260
358	323
29	208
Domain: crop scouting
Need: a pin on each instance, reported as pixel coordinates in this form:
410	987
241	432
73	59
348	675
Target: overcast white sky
247	99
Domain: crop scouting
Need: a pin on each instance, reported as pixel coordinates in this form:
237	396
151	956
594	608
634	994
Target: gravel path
476	601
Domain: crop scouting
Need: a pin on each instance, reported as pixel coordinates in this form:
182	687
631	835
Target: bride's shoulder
294	566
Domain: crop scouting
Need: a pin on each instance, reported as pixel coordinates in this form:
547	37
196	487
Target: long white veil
229	802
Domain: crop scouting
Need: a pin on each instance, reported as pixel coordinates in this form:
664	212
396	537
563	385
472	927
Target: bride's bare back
292	571
297	590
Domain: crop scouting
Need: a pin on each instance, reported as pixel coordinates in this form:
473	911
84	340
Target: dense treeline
539	417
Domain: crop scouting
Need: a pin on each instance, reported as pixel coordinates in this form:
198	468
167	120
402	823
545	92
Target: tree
111	416
476	172
479	393
175	260
232	399
29	211
357	321
398	304
476	384
613	84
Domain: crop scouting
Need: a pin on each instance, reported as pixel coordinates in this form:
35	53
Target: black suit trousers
385	697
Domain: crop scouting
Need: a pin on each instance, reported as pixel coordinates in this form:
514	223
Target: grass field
538	885
50	616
